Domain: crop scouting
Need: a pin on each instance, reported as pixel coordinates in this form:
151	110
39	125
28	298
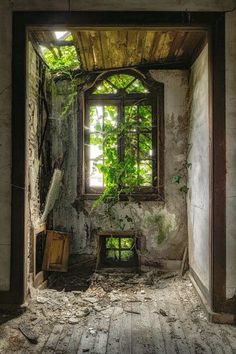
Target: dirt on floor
82	300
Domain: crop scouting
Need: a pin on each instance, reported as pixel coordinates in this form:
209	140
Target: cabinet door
56	253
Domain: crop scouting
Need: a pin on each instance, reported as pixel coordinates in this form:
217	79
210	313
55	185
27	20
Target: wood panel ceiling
117	48
124	48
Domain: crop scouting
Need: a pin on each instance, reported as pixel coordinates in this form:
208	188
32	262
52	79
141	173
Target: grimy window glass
121	125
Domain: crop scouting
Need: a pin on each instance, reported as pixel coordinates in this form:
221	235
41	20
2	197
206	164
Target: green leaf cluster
121	175
60	59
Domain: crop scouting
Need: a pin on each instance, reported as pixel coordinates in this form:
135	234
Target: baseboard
223	318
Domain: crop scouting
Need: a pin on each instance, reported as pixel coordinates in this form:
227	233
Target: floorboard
125	318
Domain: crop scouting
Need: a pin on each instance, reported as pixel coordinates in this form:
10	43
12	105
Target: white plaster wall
230	155
6	8
67	217
198	182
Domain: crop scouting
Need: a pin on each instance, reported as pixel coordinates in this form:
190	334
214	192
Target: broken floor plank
142	334
156	330
101	340
75	339
169	340
88	336
27	331
125	330
53	339
172	320
64	339
113	343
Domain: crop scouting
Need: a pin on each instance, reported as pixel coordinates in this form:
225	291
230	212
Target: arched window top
116	83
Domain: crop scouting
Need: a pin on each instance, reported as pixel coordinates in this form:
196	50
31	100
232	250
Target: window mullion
121	138
154	143
138	152
103	135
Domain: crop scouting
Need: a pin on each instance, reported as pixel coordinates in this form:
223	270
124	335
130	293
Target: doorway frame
214	23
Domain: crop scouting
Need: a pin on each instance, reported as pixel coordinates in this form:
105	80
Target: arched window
122	134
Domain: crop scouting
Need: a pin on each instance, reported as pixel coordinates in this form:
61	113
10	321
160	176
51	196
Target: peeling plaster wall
231	155
32	206
69	216
198	178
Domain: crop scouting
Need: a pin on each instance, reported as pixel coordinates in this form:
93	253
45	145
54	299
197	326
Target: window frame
155	97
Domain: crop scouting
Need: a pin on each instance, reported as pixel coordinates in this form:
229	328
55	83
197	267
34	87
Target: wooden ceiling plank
96	49
148	46
174	51
191	42
156	46
132	47
122	44
140	45
101	48
181	48
81	50
106	48
115	52
166	45
193	55
88	50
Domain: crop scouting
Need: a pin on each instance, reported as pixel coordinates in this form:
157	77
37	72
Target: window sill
135	196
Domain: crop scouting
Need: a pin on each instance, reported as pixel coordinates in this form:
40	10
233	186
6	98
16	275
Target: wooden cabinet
56	253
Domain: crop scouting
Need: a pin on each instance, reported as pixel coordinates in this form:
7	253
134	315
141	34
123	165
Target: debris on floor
104	307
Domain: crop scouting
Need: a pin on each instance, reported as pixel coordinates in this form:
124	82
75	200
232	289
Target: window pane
95	152
131	115
110	117
136	87
131	144
95	139
114	255
145	116
112	242
104	88
95	177
145	146
126	242
126	255
145	173
95	118
120	80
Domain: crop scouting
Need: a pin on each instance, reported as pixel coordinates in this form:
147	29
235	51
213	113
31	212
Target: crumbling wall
83	222
37	150
198	196
33	162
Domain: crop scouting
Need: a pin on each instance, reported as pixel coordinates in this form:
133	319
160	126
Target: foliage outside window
61	58
121	137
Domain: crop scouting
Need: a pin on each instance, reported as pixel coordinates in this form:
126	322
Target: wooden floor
142	319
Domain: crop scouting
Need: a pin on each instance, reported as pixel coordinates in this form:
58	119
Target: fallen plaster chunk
73	320
41	300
